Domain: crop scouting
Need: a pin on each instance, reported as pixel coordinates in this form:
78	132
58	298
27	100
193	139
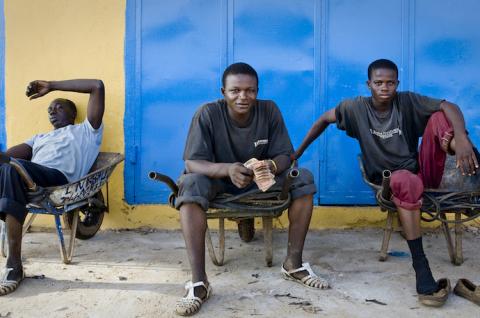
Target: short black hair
381	63
239	68
68	103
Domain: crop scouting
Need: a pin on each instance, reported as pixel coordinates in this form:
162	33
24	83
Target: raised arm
465	157
316	130
96	89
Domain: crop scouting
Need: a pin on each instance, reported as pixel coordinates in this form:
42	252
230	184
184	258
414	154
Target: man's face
240	93
383	85
60	114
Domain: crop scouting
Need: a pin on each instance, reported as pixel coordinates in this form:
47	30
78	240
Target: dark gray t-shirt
214	136
388	140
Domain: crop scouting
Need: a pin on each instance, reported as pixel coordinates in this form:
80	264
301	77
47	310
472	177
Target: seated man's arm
21	151
280	164
238	174
466	159
316	130
94	87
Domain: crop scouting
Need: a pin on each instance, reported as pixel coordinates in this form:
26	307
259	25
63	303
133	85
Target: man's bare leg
194	225
410	222
299	216
14	236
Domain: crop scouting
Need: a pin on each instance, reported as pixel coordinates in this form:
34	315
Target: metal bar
73	233
387	233
3	235
267	238
448	238
458	239
27	225
61	241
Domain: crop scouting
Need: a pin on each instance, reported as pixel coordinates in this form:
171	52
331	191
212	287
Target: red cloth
407	188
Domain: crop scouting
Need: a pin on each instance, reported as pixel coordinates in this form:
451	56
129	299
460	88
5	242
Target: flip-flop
8	286
191	304
311	280
439	297
466	289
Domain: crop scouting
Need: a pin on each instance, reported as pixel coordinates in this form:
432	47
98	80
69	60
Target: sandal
439	297
311	280
466	289
8	286
191	304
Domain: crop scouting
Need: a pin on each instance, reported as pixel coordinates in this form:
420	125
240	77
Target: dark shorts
13	190
200	189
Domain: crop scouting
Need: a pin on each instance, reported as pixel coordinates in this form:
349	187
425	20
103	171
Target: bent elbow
99	85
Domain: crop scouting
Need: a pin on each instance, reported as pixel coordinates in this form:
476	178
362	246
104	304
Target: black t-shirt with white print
387	140
215	137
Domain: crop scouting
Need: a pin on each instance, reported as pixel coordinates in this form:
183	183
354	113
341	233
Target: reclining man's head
62	112
239	89
382	81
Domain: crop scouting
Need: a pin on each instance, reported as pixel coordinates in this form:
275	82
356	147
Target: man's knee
193	188
305	176
303	184
407	189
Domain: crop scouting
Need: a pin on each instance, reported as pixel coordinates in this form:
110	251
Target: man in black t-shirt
388	126
223	135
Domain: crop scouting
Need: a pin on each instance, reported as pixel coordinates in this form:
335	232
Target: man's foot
439	297
197	294
11	278
304	275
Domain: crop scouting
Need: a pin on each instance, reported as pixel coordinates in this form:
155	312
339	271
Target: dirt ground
141	274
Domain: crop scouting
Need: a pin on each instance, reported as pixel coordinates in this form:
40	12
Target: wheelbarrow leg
3	235
221	243
73	234
267	237
27	224
66	258
387	233
448	238
458	239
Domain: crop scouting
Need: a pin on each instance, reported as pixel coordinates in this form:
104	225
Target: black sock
425	282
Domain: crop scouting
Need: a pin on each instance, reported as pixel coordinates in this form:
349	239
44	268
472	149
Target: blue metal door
310	54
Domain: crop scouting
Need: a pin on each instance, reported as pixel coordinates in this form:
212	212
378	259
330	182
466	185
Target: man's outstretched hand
466	159
240	175
37	89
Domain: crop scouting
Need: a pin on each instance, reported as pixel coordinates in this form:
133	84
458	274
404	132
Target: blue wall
309	56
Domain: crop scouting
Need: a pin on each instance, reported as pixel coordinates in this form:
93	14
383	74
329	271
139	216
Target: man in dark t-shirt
388	126
224	135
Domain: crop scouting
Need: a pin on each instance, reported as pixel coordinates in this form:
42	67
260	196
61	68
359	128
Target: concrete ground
141	274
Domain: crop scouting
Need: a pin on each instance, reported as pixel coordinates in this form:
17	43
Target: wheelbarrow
457	195
244	206
81	203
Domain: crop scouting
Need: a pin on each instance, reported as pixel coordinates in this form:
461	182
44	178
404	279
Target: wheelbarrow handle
292	174
165	179
4	159
386	192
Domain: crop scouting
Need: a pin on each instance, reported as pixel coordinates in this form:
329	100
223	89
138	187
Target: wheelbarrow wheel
90	218
246	229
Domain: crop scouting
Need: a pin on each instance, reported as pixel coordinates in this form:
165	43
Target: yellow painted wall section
65	39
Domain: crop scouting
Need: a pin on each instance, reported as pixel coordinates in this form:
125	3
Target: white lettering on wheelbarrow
84	188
